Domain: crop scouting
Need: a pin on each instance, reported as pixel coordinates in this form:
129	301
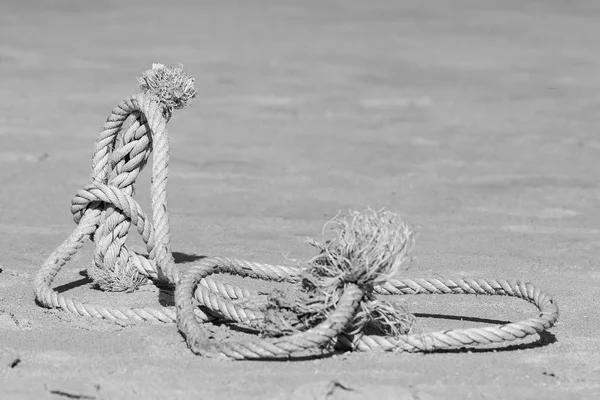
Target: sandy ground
477	121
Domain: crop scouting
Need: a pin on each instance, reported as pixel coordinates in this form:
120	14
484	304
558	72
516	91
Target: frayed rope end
367	249
174	88
117	279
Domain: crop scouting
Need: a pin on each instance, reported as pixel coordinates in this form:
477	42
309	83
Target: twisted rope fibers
105	209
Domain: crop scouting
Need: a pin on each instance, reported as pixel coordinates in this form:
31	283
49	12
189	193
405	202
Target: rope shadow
73	285
462	318
183	258
166	296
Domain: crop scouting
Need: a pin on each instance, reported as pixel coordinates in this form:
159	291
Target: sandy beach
478	121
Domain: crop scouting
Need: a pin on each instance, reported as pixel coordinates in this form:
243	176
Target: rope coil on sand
105	210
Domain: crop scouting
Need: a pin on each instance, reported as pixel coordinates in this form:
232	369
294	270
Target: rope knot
112	210
135	128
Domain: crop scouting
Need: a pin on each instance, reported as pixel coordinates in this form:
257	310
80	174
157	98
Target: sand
477	121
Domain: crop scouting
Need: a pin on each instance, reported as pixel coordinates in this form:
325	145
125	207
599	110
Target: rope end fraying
367	249
174	88
116	278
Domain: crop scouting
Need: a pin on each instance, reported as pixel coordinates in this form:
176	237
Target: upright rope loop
105	210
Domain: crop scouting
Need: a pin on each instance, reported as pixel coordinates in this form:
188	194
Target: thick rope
316	337
105	209
458	338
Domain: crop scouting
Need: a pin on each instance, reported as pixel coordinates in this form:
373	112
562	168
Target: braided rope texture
105	210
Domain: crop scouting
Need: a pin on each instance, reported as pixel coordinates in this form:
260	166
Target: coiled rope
105	210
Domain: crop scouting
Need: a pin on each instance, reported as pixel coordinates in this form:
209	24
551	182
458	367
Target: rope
459	338
105	210
344	314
